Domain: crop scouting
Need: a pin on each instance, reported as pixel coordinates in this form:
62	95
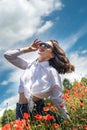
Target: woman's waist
23	99
35	99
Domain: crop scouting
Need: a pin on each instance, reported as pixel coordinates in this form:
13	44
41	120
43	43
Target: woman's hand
35	45
68	119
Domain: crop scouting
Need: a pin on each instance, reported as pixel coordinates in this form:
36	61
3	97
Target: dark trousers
22	108
38	109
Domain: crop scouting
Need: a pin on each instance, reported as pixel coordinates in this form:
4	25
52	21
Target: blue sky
22	21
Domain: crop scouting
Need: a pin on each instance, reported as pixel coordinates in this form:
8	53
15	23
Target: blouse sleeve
56	94
55	78
13	57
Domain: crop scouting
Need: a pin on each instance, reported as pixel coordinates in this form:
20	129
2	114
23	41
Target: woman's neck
41	59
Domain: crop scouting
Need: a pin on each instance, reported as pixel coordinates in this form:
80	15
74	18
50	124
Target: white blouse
39	79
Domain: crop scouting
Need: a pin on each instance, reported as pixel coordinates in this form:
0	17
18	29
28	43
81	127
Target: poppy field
76	103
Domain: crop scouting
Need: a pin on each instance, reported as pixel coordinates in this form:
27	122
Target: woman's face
45	50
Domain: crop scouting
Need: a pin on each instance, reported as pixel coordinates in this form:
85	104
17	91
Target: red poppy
18	122
85	127
81	103
18	127
45	109
26	116
49	117
28	127
73	108
56	126
7	127
61	105
23	121
53	108
49	104
38	117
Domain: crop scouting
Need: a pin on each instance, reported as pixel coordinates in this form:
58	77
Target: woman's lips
41	50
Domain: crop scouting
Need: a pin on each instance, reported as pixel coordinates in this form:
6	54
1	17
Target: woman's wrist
26	50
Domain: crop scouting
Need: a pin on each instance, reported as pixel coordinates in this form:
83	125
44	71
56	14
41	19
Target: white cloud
80	63
47	25
4	82
68	42
15	75
76	58
21	19
83	52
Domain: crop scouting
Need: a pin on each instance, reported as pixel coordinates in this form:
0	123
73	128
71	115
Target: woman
41	77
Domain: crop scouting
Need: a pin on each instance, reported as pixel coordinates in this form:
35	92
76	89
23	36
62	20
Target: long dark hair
60	62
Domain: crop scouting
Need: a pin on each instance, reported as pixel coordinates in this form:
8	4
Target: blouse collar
43	63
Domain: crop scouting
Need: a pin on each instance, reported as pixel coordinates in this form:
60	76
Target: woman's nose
42	46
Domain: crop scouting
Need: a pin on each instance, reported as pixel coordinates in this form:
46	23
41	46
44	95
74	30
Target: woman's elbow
8	56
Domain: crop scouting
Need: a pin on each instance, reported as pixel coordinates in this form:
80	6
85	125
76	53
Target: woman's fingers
37	41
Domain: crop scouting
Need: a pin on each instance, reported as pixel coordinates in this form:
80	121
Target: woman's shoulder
52	69
31	62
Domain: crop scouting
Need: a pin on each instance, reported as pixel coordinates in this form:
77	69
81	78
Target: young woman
40	78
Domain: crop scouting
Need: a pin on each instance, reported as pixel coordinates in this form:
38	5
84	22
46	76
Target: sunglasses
45	45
